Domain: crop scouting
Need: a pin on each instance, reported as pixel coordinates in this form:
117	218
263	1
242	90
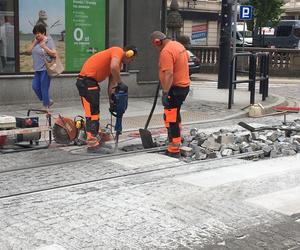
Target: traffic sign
246	12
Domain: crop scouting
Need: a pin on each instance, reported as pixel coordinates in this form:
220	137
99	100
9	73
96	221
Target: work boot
173	154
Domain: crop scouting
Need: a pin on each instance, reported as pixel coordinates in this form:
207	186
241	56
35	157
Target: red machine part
286	108
64	130
2	140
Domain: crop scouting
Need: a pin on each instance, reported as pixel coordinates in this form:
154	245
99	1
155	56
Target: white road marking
285	201
143	160
216	177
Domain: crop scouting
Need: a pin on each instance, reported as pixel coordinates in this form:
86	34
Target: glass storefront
78	28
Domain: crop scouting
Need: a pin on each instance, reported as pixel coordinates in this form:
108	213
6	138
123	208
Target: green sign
85	31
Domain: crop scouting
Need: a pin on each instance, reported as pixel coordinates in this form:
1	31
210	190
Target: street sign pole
246	13
244	31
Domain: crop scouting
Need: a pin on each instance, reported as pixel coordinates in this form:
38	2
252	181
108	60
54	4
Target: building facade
200	20
79	29
292	9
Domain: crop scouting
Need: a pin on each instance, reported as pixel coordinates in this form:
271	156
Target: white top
7	40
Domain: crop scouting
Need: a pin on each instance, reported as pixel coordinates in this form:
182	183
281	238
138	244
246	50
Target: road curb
268	109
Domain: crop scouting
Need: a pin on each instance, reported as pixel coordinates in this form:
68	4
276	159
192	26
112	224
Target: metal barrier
262	59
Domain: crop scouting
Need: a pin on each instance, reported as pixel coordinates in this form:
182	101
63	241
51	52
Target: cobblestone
145	211
120	215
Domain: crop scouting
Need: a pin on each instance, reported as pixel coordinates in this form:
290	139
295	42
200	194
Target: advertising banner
199	33
76	26
85	31
32	12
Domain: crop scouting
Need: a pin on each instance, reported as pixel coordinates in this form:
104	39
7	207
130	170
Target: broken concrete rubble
225	143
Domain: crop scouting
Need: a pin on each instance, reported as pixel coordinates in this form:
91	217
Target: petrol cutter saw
67	131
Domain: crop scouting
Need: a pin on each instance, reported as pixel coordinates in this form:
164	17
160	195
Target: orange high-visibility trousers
172	117
89	91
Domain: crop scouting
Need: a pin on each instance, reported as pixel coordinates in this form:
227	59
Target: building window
284	30
297	32
7	37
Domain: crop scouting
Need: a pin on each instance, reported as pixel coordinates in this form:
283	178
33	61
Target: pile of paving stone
225	143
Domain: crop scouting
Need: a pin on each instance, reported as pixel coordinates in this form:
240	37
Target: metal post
264	89
252	78
234	66
231	85
261	60
225	45
267	73
244	30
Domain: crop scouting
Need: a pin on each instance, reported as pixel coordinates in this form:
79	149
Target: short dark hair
158	35
131	47
39	28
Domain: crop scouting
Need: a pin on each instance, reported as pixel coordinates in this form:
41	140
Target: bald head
157	35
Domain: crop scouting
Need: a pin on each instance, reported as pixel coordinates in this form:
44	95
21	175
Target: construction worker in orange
105	64
175	81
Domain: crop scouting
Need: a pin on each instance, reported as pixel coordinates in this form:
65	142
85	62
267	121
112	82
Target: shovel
145	134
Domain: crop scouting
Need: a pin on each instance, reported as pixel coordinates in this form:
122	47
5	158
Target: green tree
265	12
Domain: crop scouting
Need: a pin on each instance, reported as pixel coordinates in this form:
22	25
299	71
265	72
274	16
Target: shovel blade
146	138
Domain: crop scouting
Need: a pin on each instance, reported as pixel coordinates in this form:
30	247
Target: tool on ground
67	131
285	110
253	129
118	107
64	130
145	134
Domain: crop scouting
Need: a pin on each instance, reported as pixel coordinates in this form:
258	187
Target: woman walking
42	48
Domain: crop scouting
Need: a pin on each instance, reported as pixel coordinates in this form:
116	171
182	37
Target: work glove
121	87
111	103
165	99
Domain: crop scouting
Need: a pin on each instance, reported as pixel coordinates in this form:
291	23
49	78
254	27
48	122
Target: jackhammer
118	107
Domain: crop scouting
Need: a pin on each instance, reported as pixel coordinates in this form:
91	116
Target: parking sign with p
245	12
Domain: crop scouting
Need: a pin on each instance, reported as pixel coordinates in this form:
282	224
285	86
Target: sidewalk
204	103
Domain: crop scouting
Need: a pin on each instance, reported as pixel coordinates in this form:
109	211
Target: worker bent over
175	81
97	68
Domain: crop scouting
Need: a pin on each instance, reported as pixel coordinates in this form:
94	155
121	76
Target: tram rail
118	176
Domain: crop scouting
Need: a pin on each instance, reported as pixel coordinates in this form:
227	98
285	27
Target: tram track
89	158
168	166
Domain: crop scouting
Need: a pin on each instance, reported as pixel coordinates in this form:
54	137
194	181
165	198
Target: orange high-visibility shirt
98	65
175	58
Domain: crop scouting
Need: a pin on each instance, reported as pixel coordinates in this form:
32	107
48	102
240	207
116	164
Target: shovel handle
153	106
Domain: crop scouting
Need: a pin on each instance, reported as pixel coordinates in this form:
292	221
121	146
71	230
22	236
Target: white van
246	34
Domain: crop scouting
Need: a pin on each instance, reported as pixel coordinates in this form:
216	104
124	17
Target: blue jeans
41	85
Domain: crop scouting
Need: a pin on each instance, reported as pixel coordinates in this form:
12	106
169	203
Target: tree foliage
266	12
